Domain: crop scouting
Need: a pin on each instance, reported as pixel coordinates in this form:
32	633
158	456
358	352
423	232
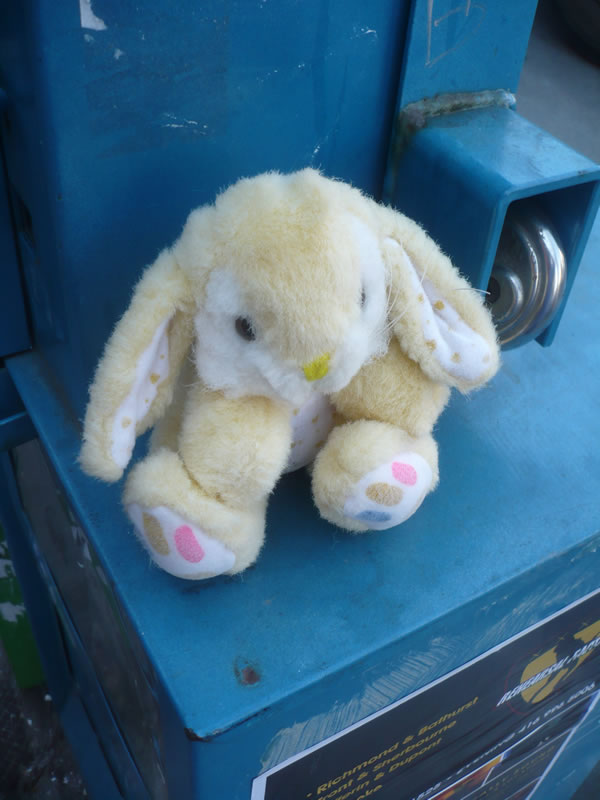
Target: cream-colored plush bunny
293	318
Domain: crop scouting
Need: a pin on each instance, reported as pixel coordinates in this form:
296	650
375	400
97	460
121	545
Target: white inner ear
151	370
459	350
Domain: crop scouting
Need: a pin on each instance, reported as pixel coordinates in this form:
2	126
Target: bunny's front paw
391	493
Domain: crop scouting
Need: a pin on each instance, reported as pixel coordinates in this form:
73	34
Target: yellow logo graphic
552	669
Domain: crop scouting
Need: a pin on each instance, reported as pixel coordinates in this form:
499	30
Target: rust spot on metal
416	116
246	674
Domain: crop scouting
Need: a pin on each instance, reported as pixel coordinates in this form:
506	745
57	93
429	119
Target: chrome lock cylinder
528	278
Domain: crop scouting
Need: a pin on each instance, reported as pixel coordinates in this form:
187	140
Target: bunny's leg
200	511
375	470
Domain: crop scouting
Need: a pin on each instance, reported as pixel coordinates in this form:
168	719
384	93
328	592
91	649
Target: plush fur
290	292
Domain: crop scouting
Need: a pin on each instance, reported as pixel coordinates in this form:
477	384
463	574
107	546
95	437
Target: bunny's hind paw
373	476
391	493
177	546
186	532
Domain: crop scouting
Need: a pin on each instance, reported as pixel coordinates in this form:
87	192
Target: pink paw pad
404	473
187	544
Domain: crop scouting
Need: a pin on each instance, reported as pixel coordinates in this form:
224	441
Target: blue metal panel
464	46
120	128
88	752
337	626
101	753
457	172
15	424
100	718
122	120
14	335
105	655
34	589
458	175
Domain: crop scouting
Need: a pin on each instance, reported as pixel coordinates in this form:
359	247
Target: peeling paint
10	612
420	668
417	668
6	570
182	122
88	18
416	116
365	32
193	736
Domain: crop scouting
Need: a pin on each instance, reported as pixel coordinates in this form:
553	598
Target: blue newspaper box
455	656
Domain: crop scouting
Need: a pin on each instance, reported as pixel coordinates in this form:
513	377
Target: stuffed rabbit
293	320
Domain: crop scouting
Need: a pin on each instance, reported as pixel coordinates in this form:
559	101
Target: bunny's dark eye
243	327
363	298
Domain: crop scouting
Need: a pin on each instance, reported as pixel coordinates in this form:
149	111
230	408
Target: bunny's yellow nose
317	368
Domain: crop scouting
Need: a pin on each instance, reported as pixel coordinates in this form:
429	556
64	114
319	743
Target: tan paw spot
162	355
439	305
314	419
296	412
456	358
125	422
431	344
146	399
320	443
154	377
421	298
384	493
155	535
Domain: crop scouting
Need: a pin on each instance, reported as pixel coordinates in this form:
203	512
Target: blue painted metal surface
14	335
103	758
457	173
120	128
35	591
115	134
455	46
338	626
15	424
470	166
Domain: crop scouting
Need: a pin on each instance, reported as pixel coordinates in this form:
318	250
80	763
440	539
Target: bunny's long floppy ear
438	318
134	380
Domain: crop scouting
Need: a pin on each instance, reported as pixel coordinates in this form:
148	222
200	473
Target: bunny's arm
134	380
235	449
393	389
